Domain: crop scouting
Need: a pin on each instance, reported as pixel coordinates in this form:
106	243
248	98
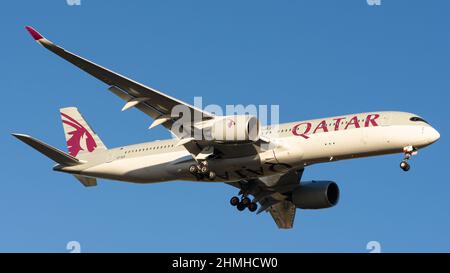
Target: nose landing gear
243	203
408	151
404	165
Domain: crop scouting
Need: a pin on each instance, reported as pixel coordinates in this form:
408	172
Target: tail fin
80	137
51	152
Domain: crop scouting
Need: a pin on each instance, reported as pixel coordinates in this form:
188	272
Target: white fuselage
291	145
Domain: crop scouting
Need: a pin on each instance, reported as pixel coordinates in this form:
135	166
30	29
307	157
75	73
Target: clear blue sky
313	58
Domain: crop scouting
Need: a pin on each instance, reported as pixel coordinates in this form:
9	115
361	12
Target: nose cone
431	134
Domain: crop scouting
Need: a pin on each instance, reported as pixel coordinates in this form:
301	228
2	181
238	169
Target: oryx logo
230	123
80	138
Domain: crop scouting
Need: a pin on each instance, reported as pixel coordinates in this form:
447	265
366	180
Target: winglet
36	35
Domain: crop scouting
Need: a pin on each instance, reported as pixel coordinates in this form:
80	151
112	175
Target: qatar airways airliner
264	163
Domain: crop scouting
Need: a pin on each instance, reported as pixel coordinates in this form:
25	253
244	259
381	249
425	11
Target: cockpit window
418	119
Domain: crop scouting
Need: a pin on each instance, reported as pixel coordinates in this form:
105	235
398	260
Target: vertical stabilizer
80	137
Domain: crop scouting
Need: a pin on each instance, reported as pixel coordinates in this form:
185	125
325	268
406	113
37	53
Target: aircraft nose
431	134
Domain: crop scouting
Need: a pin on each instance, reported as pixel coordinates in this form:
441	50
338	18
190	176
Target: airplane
264	163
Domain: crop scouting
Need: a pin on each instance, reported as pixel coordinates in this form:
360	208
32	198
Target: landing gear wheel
234	201
240	206
204	169
192	169
252	207
246	201
211	175
408	152
405	166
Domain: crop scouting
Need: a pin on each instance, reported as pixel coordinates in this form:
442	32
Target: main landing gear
409	151
201	170
243	203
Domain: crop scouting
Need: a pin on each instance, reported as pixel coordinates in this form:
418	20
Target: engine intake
316	195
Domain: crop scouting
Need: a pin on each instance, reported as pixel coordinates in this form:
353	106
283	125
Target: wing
159	106
273	194
152	102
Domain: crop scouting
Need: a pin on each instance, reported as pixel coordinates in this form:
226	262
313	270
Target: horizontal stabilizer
86	181
51	152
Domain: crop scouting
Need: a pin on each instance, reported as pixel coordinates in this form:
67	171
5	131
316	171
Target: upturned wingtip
36	35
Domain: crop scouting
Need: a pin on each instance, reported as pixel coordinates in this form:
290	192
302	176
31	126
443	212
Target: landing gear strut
408	151
202	171
243	203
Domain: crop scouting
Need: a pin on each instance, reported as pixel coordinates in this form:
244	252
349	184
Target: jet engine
315	195
234	128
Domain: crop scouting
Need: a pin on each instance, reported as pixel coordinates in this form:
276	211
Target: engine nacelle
235	128
315	195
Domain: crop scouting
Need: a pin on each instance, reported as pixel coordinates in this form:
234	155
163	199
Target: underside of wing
209	149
